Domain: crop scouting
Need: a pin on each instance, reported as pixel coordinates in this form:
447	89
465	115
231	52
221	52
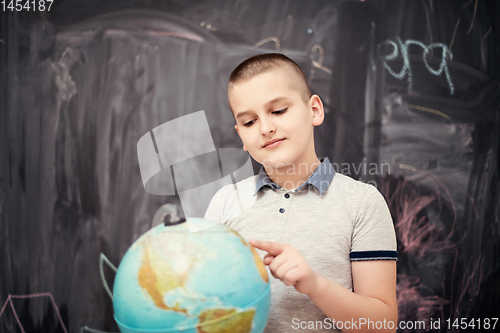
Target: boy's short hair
263	62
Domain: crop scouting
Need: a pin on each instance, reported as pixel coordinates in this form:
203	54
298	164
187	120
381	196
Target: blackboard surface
412	97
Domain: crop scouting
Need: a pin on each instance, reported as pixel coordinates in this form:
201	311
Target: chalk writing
103	259
86	329
269	39
317	63
406	71
430	110
11	297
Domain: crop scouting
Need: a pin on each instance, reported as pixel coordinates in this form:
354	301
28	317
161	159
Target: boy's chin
277	165
279	160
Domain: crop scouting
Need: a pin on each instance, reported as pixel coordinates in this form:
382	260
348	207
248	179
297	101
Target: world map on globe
175	280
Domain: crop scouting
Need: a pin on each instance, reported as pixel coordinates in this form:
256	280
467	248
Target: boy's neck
293	175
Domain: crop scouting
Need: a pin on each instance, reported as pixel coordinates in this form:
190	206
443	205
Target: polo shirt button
287	195
282	210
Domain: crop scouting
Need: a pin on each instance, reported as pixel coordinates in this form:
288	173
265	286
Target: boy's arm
374	283
373	299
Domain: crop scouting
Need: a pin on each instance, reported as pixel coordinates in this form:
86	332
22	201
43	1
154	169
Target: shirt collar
321	178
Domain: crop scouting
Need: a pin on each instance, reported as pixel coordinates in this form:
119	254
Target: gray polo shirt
331	219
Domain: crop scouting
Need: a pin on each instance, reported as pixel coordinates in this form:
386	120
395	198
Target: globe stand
167	215
170	220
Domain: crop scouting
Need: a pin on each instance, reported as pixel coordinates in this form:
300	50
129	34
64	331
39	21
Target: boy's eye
248	123
278	112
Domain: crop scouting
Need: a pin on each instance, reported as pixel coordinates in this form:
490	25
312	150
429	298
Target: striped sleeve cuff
374	255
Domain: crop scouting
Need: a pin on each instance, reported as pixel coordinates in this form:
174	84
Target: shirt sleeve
374	237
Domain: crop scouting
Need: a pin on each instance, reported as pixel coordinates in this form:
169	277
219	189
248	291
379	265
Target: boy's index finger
273	248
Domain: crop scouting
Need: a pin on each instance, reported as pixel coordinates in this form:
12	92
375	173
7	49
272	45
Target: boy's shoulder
347	182
355	193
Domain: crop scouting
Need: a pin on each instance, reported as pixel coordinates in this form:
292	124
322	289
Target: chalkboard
412	99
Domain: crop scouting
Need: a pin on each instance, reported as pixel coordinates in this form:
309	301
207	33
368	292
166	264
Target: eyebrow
271	102
242	114
276	100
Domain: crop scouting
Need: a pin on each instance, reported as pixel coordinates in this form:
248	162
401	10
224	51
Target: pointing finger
273	248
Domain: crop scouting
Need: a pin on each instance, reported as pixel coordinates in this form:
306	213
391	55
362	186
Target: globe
191	276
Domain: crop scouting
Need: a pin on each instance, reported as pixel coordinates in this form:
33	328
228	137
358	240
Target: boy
327	235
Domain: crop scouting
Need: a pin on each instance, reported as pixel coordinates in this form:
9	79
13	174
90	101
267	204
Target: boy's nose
267	127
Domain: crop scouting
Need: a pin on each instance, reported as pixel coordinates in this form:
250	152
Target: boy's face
273	120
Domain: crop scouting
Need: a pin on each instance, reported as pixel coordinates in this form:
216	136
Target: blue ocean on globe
195	276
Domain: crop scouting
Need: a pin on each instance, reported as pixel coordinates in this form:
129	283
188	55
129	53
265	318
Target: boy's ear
238	131
316	106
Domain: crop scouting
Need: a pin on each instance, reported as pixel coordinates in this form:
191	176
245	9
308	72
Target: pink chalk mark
410	299
11	297
471	284
418	235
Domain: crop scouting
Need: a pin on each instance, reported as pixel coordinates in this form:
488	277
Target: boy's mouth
273	143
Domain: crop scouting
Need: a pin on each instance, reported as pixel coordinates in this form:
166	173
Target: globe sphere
195	276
